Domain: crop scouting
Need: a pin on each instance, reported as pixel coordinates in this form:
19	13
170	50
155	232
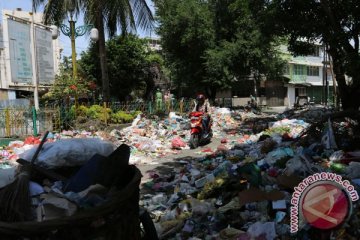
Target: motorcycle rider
202	105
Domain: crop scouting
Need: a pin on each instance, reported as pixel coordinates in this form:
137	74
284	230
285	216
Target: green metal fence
21	122
15	122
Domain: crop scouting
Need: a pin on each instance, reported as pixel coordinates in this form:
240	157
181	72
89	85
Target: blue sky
81	42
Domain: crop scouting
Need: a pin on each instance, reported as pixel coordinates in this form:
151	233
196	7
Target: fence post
181	105
34	116
7	122
150	107
105	113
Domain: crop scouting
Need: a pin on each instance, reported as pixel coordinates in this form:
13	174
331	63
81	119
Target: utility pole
324	77
336	102
34	65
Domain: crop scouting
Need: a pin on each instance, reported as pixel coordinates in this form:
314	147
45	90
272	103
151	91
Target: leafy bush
98	112
94	111
122	117
82	111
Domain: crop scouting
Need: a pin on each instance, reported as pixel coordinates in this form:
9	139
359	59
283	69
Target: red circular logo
325	206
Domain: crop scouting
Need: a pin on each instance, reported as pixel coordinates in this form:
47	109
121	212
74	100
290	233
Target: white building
154	44
307	76
303	76
22	44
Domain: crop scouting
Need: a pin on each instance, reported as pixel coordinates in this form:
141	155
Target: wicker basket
118	218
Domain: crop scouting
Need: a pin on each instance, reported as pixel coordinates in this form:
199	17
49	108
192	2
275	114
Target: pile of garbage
10	153
155	137
312	114
93	171
246	192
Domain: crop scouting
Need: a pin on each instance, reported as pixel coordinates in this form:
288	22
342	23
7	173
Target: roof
307	63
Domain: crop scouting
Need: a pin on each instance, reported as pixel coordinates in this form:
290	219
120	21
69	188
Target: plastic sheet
69	152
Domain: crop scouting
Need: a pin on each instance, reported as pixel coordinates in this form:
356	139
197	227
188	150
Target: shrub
98	112
82	111
94	111
121	117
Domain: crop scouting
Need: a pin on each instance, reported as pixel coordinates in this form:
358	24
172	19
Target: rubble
242	188
244	192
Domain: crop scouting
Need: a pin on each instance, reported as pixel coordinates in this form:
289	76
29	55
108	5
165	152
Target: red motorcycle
199	135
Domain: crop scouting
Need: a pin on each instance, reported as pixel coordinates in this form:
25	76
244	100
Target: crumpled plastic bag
201	208
337	156
278	154
32	140
69	152
328	139
177	143
223	111
295	166
257	229
353	170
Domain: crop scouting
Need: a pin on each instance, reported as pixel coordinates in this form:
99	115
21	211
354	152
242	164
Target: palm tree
103	14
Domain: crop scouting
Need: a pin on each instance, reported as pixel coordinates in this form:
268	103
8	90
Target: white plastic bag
328	139
69	152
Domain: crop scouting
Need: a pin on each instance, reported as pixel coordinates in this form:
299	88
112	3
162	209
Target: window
313	71
298	69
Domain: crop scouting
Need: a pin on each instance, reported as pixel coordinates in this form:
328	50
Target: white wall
291	95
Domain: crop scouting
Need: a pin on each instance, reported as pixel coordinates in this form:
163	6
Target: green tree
212	44
109	14
334	23
128	60
66	86
186	33
244	47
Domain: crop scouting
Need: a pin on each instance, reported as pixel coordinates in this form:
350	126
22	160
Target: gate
275	93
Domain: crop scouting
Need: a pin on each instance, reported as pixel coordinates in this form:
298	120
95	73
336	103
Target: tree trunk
102	55
348	94
211	93
153	73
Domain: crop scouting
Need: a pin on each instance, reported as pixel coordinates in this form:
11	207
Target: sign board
20	52
44	56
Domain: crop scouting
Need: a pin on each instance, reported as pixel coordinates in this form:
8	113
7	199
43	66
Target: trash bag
328	139
69	152
177	143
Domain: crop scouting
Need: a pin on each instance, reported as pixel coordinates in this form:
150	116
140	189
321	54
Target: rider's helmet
200	98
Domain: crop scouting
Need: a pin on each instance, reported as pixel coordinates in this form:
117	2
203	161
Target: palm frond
54	12
125	14
37	3
142	14
118	13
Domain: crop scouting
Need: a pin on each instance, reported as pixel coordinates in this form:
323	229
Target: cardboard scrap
53	207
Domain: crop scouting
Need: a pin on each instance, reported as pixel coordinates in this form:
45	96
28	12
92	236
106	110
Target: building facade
29	56
304	76
309	76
